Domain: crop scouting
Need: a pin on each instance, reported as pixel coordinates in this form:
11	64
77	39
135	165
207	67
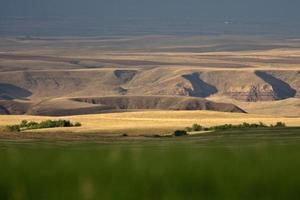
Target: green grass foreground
252	164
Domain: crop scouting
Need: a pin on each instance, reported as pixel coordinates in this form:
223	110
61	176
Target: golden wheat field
150	122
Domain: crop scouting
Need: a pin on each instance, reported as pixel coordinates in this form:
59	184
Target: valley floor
149	122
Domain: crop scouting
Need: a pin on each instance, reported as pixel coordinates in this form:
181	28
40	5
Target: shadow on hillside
125	75
3	110
281	88
200	88
10	92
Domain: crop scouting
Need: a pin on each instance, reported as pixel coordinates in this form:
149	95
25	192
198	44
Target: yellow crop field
150	122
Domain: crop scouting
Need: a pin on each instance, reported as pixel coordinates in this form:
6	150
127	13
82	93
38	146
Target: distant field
240	164
150	122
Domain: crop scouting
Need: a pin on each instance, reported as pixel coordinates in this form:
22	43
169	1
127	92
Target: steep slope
64	107
10	92
199	87
292	78
95	105
159	103
240	85
281	89
14	107
244	85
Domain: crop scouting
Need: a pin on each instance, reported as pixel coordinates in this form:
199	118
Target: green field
239	164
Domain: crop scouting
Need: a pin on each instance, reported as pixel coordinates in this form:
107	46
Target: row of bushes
197	127
247	125
29	125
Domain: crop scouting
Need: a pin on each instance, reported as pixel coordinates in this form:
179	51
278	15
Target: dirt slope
41	75
159	103
240	85
94	105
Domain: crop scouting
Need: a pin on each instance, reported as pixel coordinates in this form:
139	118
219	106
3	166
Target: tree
179	133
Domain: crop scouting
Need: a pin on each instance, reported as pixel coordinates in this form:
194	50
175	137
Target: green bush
188	129
52	124
13	128
31	125
197	127
25	125
280	125
239	126
77	124
262	124
179	133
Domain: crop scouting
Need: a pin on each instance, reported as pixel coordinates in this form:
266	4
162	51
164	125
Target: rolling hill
52	77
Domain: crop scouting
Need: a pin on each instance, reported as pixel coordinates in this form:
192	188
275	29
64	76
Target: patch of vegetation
77	124
247	126
279	125
197	127
180	133
29	125
12	128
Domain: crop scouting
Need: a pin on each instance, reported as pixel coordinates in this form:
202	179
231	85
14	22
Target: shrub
245	125
31	125
51	124
188	129
157	136
280	125
25	125
13	128
239	126
179	133
261	124
77	124
197	127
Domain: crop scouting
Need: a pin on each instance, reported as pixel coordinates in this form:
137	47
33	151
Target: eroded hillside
250	85
44	76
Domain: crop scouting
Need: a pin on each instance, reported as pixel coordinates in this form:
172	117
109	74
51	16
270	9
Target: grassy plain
243	164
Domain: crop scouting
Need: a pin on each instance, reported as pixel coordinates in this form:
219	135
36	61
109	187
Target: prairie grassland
251	164
196	52
151	122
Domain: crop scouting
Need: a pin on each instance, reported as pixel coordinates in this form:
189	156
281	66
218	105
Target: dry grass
200	51
152	122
